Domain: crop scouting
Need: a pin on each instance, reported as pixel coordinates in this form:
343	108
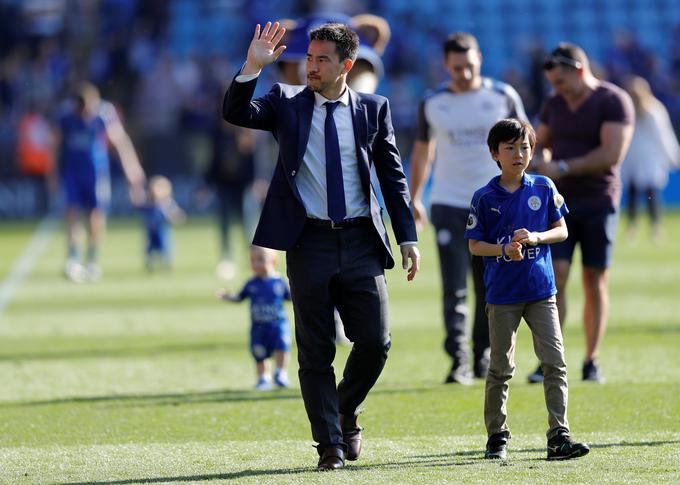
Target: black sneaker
496	448
591	372
562	447
536	377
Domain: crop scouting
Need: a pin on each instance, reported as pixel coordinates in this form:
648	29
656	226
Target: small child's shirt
266	299
494	215
157	222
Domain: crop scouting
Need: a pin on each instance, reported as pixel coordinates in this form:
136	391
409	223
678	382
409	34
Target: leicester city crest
534	203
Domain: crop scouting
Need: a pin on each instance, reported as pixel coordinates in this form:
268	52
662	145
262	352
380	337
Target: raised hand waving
263	48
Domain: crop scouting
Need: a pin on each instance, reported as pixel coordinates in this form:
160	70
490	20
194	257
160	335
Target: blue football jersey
157	227
494	215
84	148
266	299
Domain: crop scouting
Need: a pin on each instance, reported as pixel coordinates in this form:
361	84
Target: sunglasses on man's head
554	61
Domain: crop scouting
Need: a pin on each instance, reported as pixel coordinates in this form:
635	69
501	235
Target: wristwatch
562	167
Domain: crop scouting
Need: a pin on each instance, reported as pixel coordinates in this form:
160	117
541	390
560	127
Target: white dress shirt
311	176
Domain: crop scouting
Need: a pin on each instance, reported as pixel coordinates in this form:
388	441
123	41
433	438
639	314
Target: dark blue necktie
335	190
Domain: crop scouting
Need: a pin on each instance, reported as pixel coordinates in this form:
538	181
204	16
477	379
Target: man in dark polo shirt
587	124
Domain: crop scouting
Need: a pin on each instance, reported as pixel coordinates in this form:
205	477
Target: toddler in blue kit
269	331
159	212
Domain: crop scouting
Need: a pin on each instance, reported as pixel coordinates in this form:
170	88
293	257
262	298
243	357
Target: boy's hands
524	236
520	237
513	250
224	294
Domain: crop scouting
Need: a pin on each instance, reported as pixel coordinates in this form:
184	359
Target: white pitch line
24	264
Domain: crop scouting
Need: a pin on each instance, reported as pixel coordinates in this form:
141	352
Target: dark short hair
509	130
460	42
345	39
566	54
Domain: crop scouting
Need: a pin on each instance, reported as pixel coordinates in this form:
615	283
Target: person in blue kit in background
511	224
159	212
86	128
270	330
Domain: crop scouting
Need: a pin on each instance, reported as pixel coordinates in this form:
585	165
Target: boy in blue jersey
269	331
159	212
85	130
512	222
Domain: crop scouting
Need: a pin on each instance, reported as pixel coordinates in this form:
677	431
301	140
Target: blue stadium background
165	63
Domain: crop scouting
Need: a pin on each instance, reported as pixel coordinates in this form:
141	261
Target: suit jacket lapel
360	125
305	109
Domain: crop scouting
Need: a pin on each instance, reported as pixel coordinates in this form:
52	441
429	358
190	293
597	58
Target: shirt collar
320	100
527	179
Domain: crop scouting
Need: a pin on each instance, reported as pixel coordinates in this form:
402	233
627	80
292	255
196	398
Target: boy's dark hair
566	55
508	131
345	39
460	42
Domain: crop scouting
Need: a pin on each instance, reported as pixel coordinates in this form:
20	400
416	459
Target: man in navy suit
322	210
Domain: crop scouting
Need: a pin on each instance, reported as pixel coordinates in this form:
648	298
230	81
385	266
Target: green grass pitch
146	378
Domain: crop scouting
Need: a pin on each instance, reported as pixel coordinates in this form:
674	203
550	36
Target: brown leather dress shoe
331	458
351	436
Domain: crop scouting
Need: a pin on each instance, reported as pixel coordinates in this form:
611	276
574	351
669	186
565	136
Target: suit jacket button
293	173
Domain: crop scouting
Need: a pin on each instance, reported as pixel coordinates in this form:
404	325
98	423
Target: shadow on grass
282	471
177	399
98	353
200	478
644	329
470	457
169	399
480	452
635	443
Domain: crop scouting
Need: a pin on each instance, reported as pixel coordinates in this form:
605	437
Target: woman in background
653	151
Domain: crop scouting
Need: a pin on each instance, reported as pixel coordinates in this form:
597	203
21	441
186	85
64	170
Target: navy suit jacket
286	111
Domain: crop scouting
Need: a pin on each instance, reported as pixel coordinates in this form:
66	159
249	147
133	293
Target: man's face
324	67
464	68
566	81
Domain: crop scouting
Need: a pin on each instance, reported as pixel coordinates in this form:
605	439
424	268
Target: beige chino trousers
543	320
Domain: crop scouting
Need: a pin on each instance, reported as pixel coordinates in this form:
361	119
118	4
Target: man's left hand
410	251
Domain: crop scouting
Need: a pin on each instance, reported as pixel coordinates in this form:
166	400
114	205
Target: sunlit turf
146	378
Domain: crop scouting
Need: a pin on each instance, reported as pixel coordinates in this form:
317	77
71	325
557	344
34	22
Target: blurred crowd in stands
165	63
